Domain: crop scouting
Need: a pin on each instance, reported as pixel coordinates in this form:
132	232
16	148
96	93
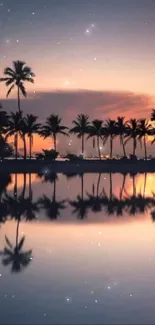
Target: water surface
77	249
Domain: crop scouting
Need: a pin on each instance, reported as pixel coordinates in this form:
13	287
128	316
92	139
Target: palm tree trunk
98	184
18	96
17	232
123	185
30	145
25	151
111	147
54	190
30	187
134	185
82	186
110	191
55	142
123	146
98	146
145	148
134	146
24	186
16	145
15	186
82	144
145	180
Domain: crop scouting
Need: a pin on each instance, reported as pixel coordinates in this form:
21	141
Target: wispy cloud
96	104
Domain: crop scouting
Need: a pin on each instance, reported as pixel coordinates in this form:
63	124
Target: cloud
96	104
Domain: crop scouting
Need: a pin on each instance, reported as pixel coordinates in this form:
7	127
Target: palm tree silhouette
16	77
96	131
81	128
31	128
80	205
121	129
153	115
15	129
144	129
95	200
52	206
132	131
14	256
4	182
3	121
52	128
109	131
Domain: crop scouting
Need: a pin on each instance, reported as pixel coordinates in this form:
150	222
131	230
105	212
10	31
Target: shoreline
84	166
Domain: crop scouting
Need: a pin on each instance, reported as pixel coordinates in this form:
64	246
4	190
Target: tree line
20	125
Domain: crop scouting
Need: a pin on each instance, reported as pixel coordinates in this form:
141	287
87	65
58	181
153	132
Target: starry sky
92	56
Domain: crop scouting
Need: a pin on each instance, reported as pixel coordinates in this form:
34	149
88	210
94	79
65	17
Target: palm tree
95	201
4	182
30	127
121	128
52	207
15	256
109	131
15	129
52	128
81	127
132	129
153	115
144	129
16	77
80	205
3	121
96	131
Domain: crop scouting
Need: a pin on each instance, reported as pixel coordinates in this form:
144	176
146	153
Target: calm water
77	249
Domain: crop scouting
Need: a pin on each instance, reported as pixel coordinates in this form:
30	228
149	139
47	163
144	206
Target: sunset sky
91	56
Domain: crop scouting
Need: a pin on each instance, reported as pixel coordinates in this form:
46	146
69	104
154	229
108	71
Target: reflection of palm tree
52	207
95	201
80	205
19	207
5	180
153	215
137	204
15	256
123	184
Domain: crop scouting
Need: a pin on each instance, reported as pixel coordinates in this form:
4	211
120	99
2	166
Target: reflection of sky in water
83	271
